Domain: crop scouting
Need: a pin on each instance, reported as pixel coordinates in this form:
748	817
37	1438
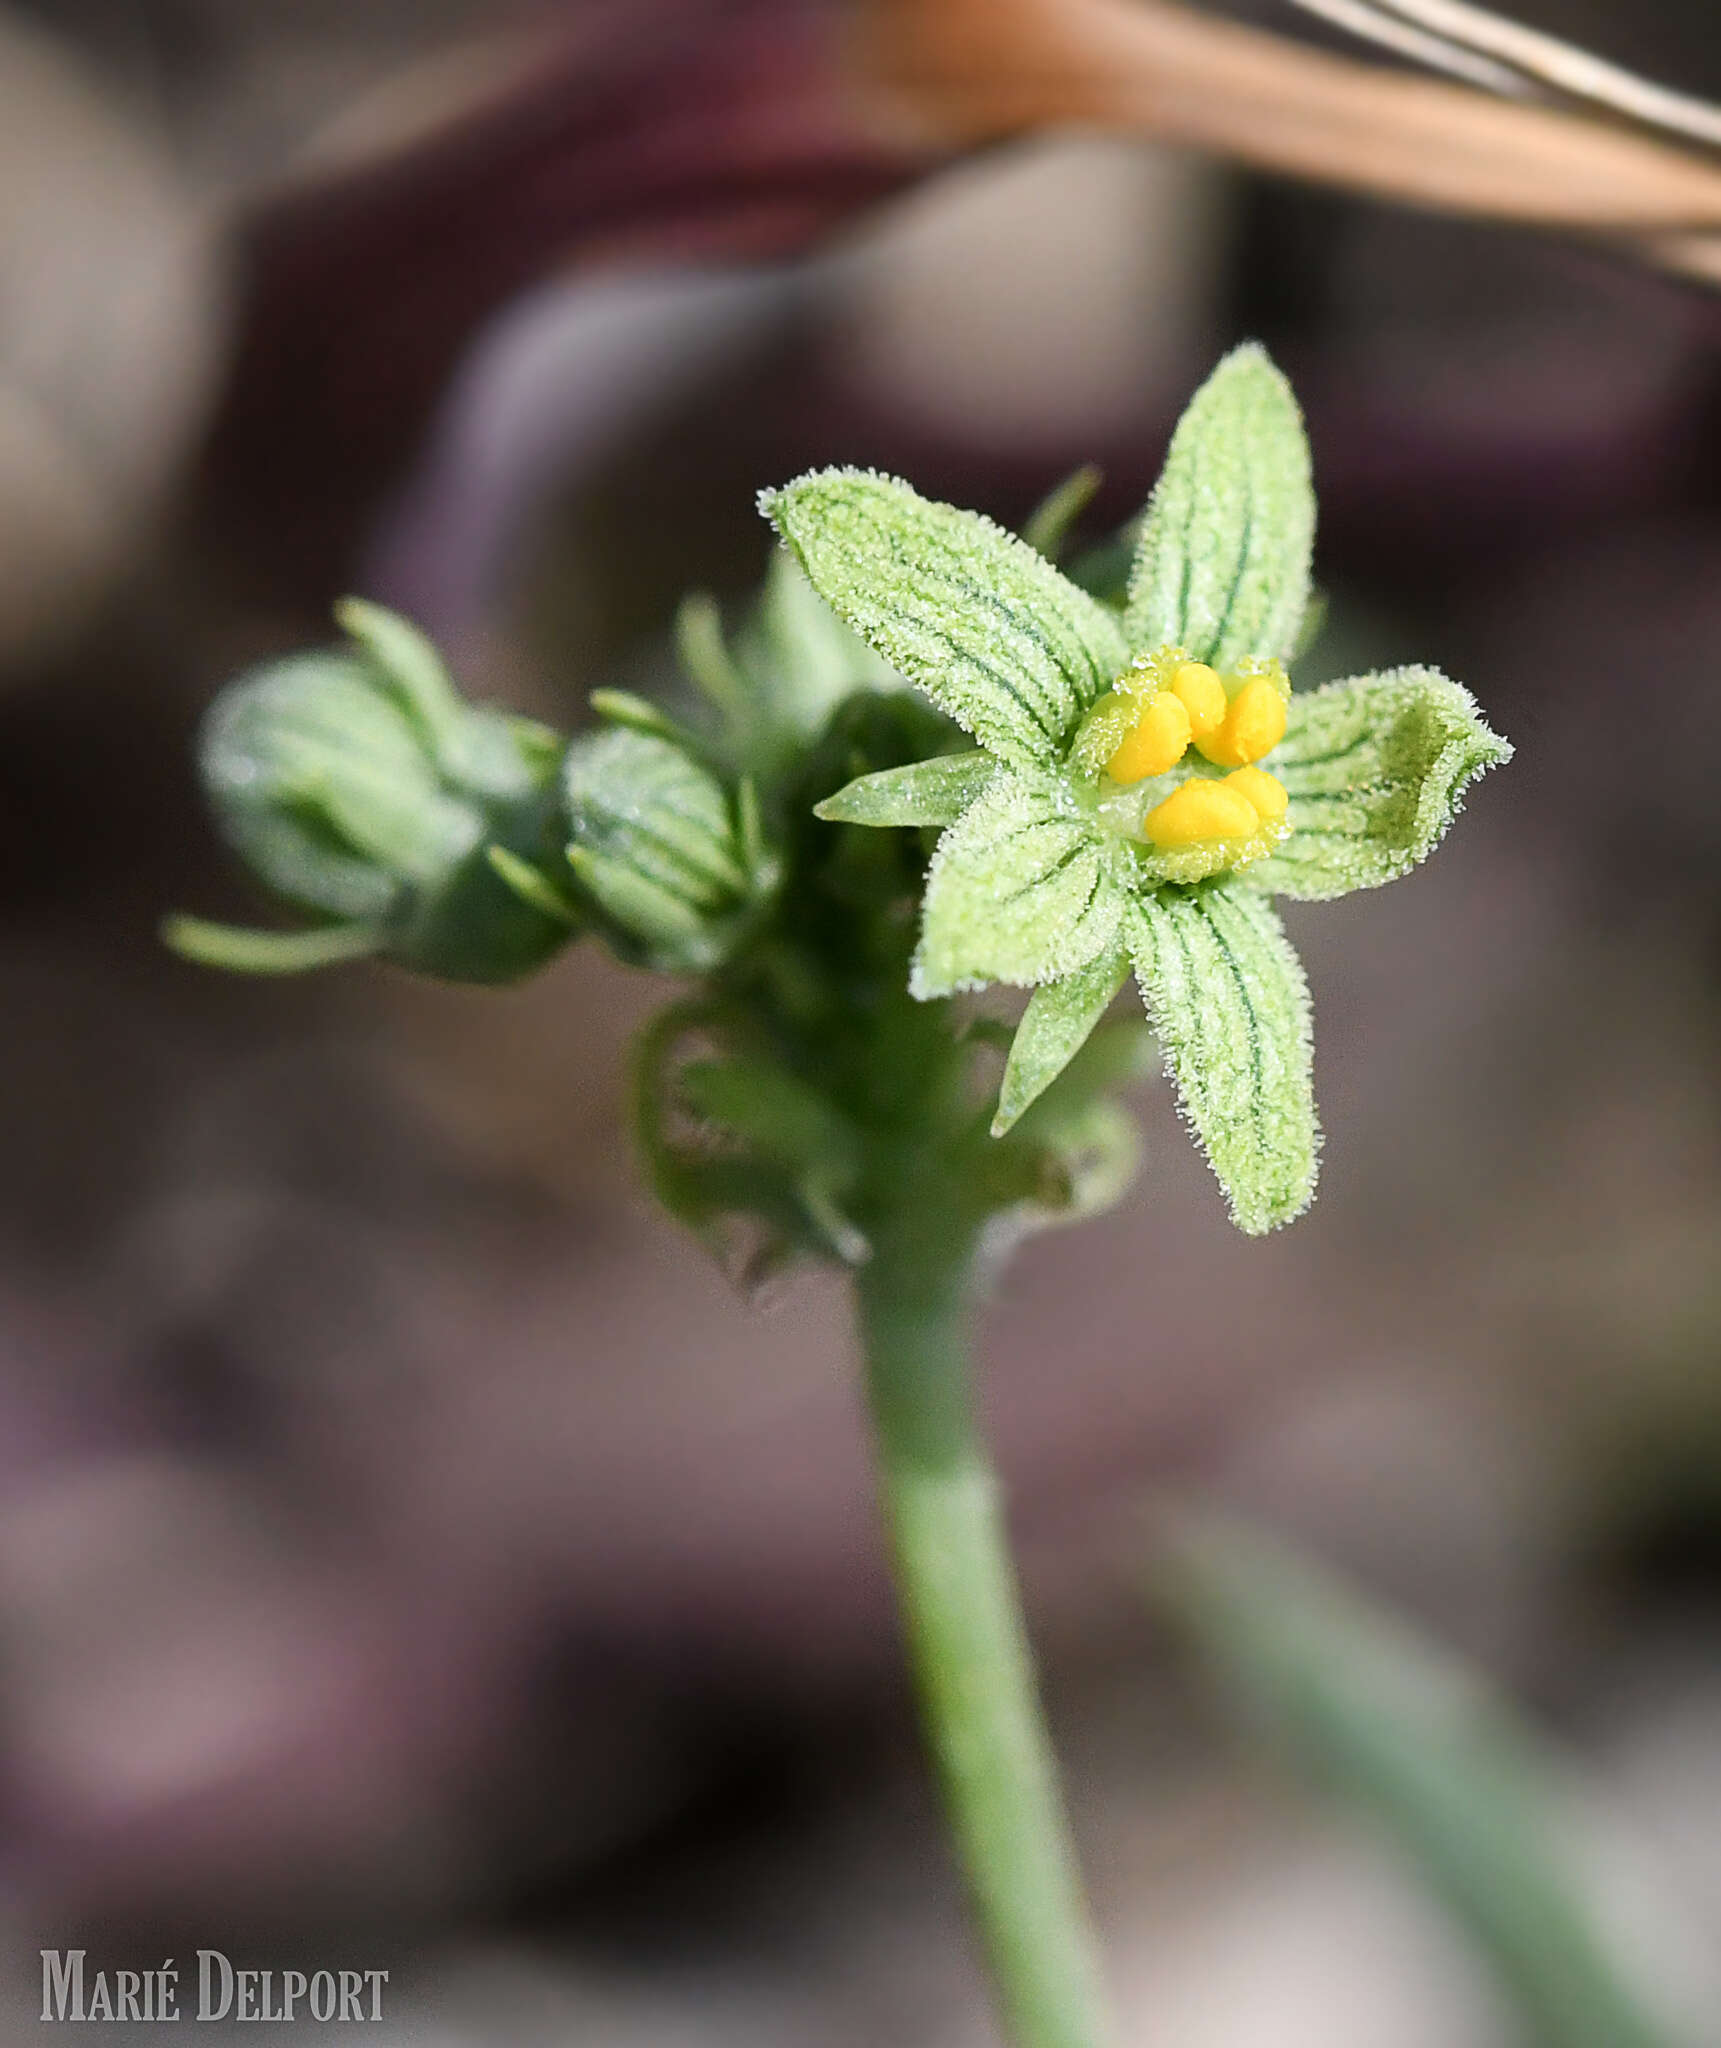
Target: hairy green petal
1055	1026
1222	565
1018	891
1376	769
1226	995
934	792
967	612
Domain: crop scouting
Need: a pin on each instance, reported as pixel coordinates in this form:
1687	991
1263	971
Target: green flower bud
358	785
670	860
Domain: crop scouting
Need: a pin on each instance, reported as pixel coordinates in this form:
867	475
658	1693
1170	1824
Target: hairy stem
963	1622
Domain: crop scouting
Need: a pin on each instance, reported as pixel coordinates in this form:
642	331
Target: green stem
963	1621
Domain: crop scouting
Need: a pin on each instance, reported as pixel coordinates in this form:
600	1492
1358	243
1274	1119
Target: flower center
1164	718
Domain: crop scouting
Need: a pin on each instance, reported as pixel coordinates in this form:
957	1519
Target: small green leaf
1222	566
1018	891
967	612
1054	1027
238	950
934	792
1488	1818
1376	769
639	801
1225	993
1048	525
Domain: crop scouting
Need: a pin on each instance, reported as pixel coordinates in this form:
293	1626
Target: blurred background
413	1553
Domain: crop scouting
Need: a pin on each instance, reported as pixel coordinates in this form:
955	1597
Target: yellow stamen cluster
1254	725
1164	706
1193	706
1158	740
1233	807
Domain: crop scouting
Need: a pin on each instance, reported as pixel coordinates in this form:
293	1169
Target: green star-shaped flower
1145	780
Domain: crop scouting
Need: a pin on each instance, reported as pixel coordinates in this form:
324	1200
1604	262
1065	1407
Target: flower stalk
962	1620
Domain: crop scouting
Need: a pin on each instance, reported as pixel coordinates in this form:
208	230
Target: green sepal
934	792
756	857
237	949
968	613
1019	891
1376	769
1226	996
412	664
704	653
637	714
800	658
478	750
1047	527
531	885
474	927
1054	1027
647	922
778	682
1222	564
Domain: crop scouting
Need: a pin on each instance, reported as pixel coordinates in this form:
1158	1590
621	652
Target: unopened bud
359	786
667	855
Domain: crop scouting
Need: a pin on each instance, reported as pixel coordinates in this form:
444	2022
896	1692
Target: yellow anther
1254	725
1202	695
1266	792
1156	743
1198	810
